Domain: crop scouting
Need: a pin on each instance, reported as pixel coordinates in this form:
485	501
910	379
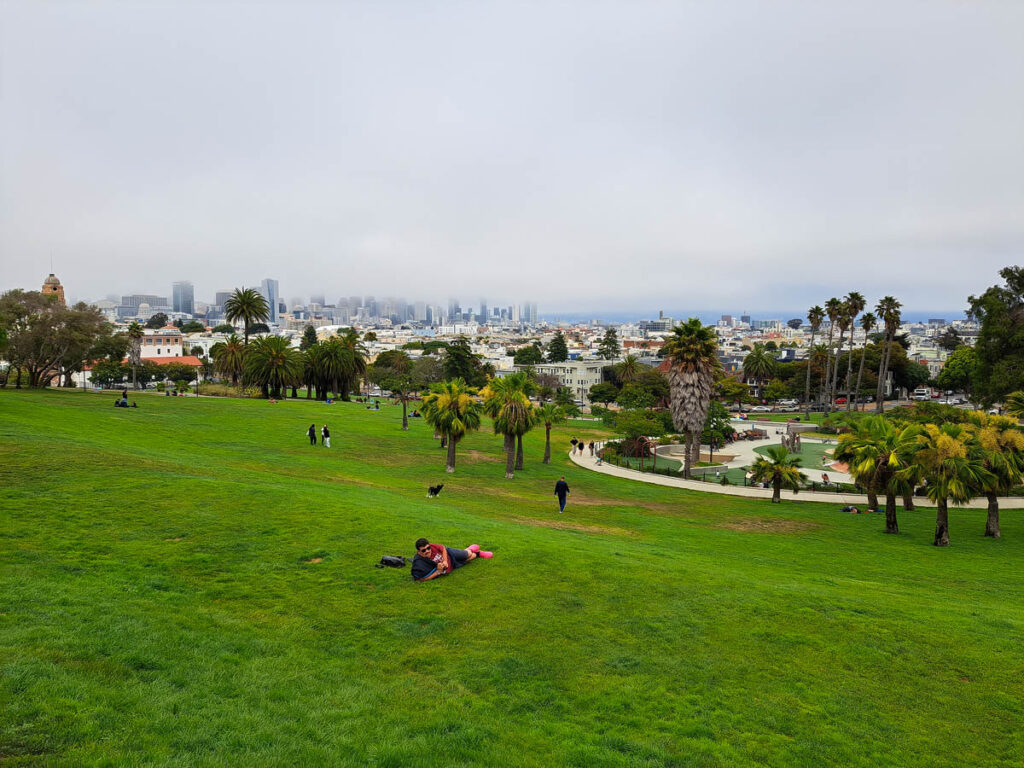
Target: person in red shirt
433	560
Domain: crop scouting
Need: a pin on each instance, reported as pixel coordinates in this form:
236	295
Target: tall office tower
317	298
371	307
513	313
135	299
183	297
745	319
453	310
221	297
483	311
508	314
354	303
342	312
530	313
271	292
419	311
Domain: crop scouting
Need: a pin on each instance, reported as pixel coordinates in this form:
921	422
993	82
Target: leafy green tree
878	453
309	338
558	350
717	426
369	336
426	370
1002	446
159	320
692	351
248	307
224	328
635	396
949	340
460	363
950	459
451	409
530	354
392	370
795	323
960	370
271	363
229	358
780	468
549	415
192	326
774	391
605	392
1000	344
609	348
733	390
108	373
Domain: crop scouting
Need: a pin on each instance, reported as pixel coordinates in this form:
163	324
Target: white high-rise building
183	297
272	293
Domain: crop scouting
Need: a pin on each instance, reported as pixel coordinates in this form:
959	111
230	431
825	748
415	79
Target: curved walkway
842	499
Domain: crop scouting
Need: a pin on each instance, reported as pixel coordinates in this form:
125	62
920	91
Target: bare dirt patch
475	456
565	525
768	525
315	560
177	538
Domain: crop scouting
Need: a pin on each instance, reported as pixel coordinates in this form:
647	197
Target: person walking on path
326	433
562	492
574	441
591	447
312	434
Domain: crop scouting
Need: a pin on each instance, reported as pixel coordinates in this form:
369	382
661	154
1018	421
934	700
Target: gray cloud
587	155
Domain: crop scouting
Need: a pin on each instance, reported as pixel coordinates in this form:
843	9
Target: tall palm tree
843	321
549	414
451	409
855	303
833	308
692	351
229	357
505	401
780	468
272	364
312	369
888	309
1003	447
949	458
356	359
815	316
875	452
867	323
135	336
247	305
759	365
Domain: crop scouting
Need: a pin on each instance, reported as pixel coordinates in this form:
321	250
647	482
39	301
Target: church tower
52	287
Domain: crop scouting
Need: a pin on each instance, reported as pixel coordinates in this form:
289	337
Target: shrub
160	386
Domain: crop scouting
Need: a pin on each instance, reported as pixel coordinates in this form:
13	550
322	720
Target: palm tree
135	336
1003	447
548	414
1014	405
247	305
950	459
855	303
505	401
867	322
815	316
451	409
843	321
759	365
780	468
833	308
272	363
229	357
312	369
356	358
875	452
888	310
692	351
629	369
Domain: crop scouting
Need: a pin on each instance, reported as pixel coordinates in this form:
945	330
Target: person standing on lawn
562	492
312	434
326	436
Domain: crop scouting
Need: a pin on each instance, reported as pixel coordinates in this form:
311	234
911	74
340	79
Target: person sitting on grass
433	560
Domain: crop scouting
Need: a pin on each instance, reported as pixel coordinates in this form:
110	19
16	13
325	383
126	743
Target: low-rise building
578	376
161	342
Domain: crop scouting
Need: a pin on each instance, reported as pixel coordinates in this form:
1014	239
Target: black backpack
392	561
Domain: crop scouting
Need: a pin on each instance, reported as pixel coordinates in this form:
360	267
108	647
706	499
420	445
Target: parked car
761	409
788	403
840	401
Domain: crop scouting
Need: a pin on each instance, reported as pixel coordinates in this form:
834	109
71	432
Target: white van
923	393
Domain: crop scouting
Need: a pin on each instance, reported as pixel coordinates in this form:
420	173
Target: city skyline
644	155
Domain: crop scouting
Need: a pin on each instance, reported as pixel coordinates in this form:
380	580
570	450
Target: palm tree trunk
872	499
777	491
891	525
882	366
835	371
992	522
807	383
908	501
510	456
135	383
860	372
519	451
547	445
694	448
942	523
849	374
450	466
686	458
828	368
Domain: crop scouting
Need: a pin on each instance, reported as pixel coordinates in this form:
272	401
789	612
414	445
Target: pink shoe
473	548
485	555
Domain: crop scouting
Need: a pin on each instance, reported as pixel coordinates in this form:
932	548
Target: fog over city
587	156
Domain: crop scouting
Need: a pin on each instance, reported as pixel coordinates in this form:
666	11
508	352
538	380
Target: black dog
434	491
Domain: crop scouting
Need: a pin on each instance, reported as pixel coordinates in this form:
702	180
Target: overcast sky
587	155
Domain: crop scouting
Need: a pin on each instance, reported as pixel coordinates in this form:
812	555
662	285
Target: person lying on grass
433	560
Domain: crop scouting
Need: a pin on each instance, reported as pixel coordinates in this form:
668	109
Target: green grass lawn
159	605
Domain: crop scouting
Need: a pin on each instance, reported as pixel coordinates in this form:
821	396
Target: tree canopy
1000	344
558	350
